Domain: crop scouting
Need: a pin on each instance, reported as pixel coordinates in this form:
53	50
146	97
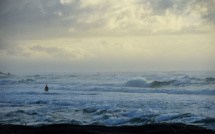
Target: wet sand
166	128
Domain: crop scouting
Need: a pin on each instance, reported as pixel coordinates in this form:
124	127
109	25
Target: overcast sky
106	35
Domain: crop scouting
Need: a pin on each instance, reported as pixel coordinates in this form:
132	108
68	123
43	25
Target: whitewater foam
109	98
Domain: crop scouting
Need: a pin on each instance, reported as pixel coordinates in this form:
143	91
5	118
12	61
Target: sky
107	35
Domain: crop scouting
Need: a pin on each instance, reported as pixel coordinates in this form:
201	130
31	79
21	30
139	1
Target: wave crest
145	83
180	81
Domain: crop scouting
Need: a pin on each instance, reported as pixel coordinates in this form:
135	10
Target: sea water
111	99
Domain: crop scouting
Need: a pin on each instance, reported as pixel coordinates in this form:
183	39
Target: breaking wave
145	83
181	81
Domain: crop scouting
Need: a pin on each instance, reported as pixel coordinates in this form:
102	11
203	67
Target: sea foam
130	98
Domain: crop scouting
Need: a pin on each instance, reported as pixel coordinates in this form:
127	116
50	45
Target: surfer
46	88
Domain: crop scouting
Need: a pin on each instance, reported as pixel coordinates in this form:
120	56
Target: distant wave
169	117
138	83
181	81
145	83
172	90
210	79
8	82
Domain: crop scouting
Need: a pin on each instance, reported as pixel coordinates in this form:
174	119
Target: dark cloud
38	19
210	17
31	18
28	13
183	7
210	6
160	6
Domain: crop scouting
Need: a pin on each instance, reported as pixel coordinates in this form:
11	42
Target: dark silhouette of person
46	88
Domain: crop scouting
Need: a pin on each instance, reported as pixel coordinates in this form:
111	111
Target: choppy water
108	98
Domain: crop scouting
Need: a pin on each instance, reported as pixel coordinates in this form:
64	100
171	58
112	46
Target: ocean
110	99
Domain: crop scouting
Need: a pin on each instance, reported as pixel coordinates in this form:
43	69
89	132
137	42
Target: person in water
46	88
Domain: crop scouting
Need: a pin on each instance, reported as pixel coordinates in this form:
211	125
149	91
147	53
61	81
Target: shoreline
166	128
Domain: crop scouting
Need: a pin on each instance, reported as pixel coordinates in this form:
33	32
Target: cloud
144	17
41	50
50	19
206	9
100	30
55	52
66	1
54	18
31	19
12	49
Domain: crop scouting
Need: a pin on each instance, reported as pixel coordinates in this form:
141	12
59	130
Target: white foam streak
108	98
